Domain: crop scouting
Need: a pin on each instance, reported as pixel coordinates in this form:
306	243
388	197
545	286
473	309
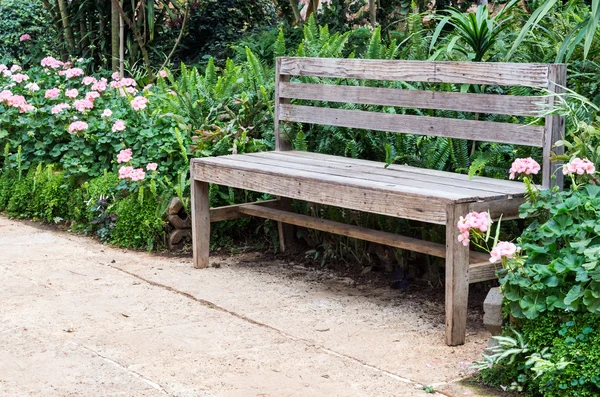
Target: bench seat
363	185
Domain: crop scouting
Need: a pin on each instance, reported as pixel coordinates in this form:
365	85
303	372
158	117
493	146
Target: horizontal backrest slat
455	101
433	126
489	73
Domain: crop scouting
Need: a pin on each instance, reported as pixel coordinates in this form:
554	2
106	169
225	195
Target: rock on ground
78	318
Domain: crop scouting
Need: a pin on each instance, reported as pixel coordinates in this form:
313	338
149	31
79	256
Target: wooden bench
400	191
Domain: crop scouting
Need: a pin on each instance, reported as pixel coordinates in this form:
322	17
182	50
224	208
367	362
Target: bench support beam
457	277
200	223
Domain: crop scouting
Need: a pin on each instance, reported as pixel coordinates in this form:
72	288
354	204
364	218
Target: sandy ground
78	318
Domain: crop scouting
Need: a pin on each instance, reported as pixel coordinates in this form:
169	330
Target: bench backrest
548	76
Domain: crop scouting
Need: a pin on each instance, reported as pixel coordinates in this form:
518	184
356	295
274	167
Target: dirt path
81	319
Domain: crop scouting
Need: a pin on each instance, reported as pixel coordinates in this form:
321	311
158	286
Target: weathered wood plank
555	129
508	208
230	212
375	236
485	131
470	187
455	101
504	185
200	223
457	278
281	143
488	73
303	186
484	271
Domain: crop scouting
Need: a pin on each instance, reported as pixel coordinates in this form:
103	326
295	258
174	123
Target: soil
81	318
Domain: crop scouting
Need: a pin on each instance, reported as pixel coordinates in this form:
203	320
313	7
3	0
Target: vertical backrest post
280	142
555	128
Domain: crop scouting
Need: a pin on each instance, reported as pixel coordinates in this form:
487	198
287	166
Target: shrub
51	195
21	198
138	223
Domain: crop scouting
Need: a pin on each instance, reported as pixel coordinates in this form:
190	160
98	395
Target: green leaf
574	294
533	305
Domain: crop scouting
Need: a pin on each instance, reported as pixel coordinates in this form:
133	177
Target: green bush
21	198
560	356
52	193
7	182
139	223
18	17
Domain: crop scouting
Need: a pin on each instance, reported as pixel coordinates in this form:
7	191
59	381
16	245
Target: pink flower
119	125
124	156
33	87
3	67
128	82
6	73
52	93
116	76
163	73
526	166
137	174
25	37
19	77
73	72
87	80
51	62
5	96
139	103
151	166
503	249
131	90
115	84
16	101
147	87
473	220
92	96
72	93
579	166
26	108
125	172
100	85
59	108
107	113
77	126
15	68
83	104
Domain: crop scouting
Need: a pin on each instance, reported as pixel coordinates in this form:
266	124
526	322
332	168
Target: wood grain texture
457	277
555	129
484	271
488	73
436	181
200	224
455	101
326	189
484	131
281	143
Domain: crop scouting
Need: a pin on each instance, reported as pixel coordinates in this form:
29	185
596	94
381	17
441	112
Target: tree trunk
66	24
373	12
56	20
296	11
114	36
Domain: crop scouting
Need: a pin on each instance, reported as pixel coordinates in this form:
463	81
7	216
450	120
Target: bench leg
200	223
287	232
457	277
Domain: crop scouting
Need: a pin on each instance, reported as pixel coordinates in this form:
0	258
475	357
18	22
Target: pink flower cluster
83	104
106	113
77	126
503	249
162	73
73	72
100	85
33	87
139	103
151	166
579	166
72	93
124	156
87	80
119	125
526	166
51	62
92	96
15	101
59	108
474	220
19	77
52	93
25	37
135	174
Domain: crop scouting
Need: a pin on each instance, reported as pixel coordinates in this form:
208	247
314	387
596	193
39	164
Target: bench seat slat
413	175
430	184
432	126
304	186
454	101
489	73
